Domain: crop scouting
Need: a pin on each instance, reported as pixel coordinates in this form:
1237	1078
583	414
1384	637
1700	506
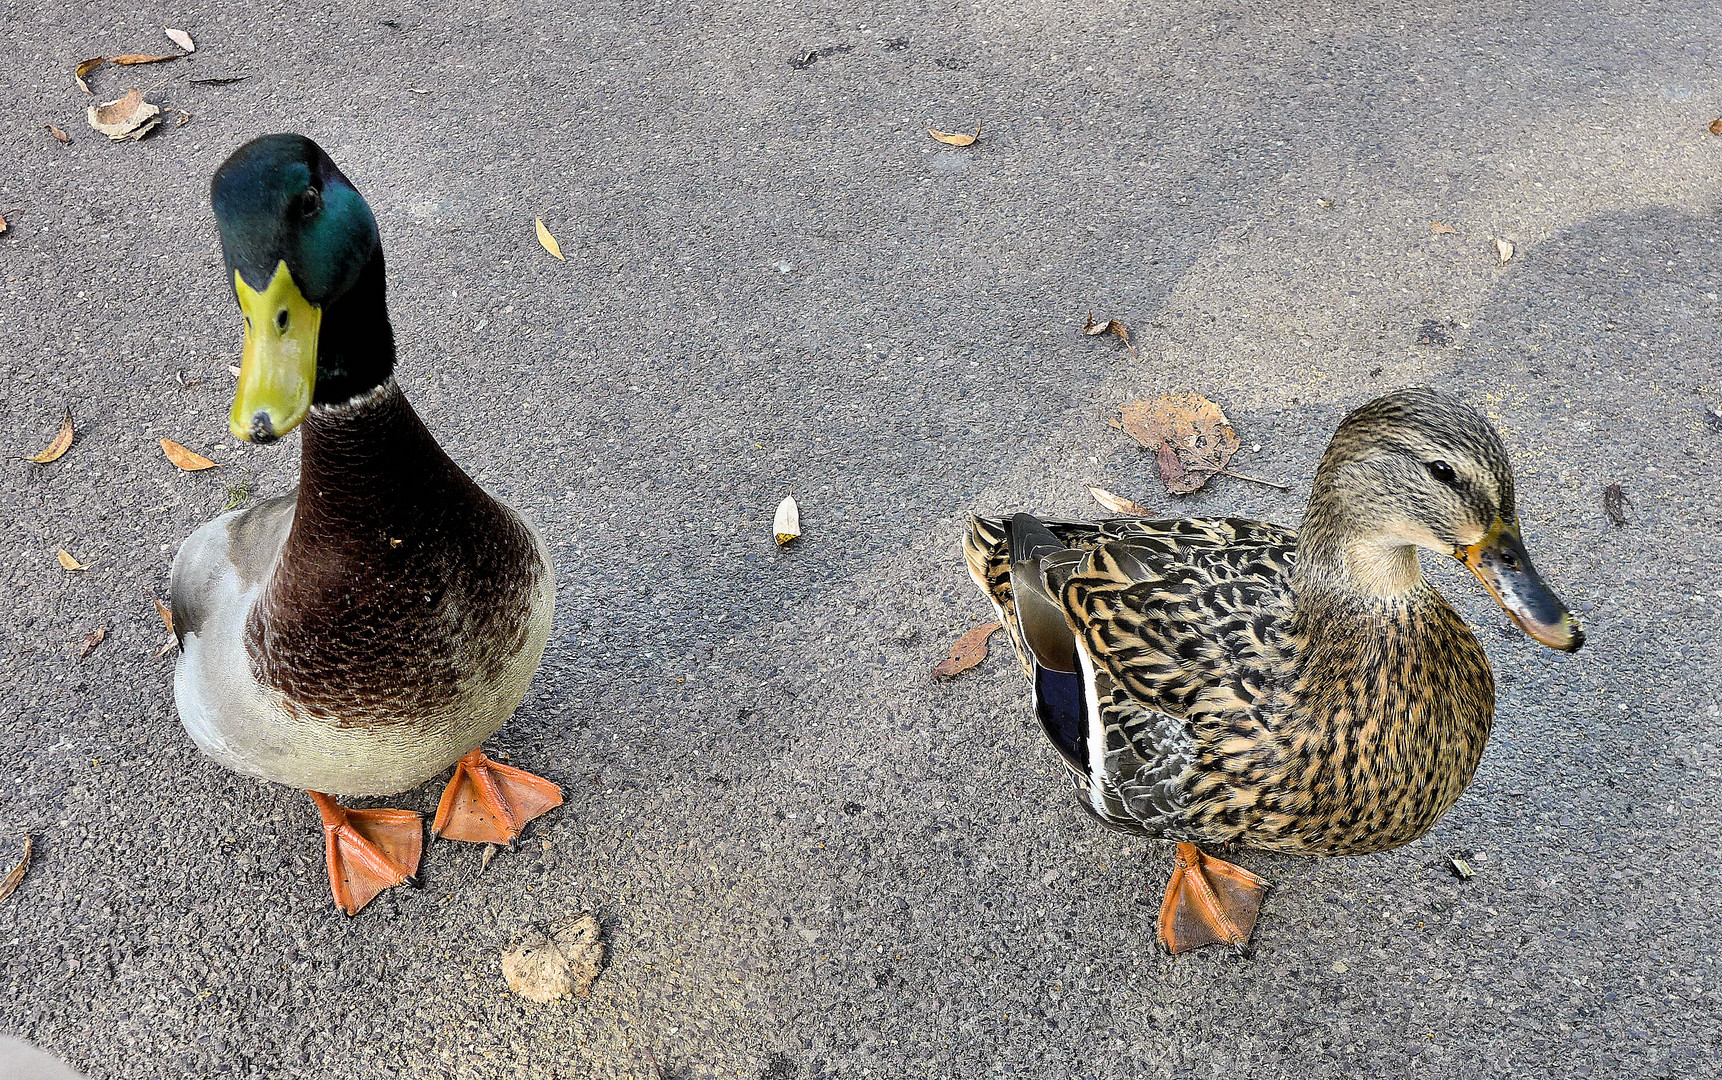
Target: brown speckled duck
363	634
1229	681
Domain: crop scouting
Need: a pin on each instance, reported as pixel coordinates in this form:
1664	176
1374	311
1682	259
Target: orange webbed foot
368	850
1208	902
489	803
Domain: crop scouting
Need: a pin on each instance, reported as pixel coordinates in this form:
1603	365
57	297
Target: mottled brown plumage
1309	693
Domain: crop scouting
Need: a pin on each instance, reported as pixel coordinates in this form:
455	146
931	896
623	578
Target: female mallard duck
360	636
1307	692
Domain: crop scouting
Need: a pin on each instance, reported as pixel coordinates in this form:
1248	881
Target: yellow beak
1504	567
278	369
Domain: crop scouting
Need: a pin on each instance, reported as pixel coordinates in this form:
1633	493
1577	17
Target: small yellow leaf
185	459
955	139
141	58
84	68
1441	228
786	524
61	443
1118	504
547	240
68	562
1504	248
180	38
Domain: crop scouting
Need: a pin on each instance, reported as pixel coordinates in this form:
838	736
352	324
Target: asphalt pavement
809	859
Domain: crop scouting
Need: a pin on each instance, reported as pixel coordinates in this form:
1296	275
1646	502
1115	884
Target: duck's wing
221	566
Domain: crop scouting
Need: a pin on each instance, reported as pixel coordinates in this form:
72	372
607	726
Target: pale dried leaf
117	119
1118	504
57	133
62	442
786	523
957	138
1441	228
547	240
130	59
93	639
166	647
188	460
67	561
966	652
164	613
1504	248
16	874
1191	438
84	68
140	131
180	38
184	118
545	963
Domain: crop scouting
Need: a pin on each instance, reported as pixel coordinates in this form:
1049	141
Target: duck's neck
369	465
1338	556
356	345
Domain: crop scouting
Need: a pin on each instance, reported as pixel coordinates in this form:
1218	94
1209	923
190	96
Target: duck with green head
1307	692
362	634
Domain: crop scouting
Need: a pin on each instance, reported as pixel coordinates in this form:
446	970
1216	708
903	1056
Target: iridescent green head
306	266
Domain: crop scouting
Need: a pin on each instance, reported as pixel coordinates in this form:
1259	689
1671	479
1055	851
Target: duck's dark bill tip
1566	635
262	429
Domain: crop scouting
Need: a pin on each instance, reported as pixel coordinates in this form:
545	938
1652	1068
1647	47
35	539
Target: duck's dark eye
310	201
1443	472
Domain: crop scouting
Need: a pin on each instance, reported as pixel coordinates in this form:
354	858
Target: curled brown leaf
1111	326
1191	438
91	640
130	59
1614	502
966	652
127	117
57	133
84	68
16	874
1716	126
62	442
955	138
1441	228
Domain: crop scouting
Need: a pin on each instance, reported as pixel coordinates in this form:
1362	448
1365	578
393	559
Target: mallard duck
1229	681
362	634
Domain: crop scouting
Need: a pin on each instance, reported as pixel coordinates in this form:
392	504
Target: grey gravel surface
809	860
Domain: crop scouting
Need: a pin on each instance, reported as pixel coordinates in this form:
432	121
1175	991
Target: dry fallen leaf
11	880
1438	228
1504	248
1111	326
1614	502
140	58
129	117
786	523
1716	126
67	561
185	459
180	38
956	139
93	639
547	240
184	118
84	68
61	442
1191	438
545	963
2	224
966	652
166	615
1118	504
57	133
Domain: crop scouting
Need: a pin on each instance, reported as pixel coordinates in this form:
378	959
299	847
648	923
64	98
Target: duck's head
1417	469
304	258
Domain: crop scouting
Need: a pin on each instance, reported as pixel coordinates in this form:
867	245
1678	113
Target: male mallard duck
359	636
1229	681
